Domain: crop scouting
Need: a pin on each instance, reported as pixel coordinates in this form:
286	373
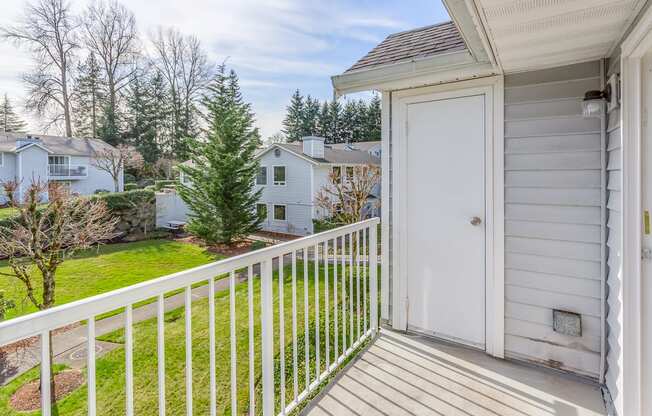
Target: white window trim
279	183
2	159
266	176
492	88
274	212
64	156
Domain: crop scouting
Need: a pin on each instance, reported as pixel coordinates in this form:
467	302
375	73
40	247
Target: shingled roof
413	44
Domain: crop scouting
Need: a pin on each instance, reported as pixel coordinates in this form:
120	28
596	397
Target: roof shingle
413	44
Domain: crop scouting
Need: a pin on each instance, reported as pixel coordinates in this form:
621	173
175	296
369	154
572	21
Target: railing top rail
35	323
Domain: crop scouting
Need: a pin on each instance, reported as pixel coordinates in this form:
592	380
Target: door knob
475	221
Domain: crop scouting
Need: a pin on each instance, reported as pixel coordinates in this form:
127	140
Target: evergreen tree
372	120
309	117
10	122
221	195
141	131
108	129
88	98
335	115
293	122
348	122
324	123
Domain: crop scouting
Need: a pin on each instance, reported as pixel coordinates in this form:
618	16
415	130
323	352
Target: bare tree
110	34
346	196
185	67
42	237
114	160
48	31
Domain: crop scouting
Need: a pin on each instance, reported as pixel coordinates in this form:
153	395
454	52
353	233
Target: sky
275	46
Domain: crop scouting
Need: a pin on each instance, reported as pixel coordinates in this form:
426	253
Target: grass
8	212
111	367
107	268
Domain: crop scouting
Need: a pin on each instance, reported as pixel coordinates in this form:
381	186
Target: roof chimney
27	140
313	146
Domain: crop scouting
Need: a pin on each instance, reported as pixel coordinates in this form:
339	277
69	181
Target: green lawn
7	212
110	267
111	368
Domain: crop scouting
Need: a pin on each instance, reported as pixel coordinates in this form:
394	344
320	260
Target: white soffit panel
531	34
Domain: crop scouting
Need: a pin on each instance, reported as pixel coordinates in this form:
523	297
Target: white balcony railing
68	171
352	277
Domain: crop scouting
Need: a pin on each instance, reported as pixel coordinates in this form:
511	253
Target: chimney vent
313	146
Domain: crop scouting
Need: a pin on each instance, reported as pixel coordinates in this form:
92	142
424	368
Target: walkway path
69	347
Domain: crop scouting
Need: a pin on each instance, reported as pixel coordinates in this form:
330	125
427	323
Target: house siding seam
553	217
614	376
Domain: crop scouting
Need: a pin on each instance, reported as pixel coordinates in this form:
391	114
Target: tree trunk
116	184
65	98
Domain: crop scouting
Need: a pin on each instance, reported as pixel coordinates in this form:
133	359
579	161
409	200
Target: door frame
493	90
633	48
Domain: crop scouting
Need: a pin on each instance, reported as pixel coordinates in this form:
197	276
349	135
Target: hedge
131	186
127	199
167	183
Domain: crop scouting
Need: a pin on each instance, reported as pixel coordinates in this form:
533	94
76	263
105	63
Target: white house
67	160
291	175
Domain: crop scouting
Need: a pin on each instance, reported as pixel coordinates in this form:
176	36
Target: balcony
309	341
67	171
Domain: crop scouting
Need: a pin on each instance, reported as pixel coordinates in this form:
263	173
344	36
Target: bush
101	191
129	178
257	245
127	199
167	183
150	188
131	186
325	224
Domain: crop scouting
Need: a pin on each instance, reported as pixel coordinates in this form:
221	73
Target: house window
279	175
279	212
261	178
261	210
337	174
58	160
349	173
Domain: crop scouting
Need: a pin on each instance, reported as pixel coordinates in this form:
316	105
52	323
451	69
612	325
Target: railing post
373	278
267	335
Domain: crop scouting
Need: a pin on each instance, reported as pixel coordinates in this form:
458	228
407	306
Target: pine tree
348	123
309	117
10	122
141	120
88	98
324	123
221	195
335	111
293	122
372	120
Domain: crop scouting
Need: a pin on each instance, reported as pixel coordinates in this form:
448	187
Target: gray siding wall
32	164
296	194
614	375
96	179
553	216
7	172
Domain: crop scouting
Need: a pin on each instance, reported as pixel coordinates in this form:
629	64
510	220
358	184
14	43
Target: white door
445	208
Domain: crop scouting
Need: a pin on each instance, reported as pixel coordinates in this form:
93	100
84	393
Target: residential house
65	160
291	175
516	244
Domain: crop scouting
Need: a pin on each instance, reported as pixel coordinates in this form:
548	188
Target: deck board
411	375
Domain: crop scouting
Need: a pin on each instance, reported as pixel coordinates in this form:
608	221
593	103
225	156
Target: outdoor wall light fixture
594	102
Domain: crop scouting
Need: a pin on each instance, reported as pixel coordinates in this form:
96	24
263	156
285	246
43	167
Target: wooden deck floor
410	375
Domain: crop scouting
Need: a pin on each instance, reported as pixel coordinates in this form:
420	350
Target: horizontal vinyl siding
553	215
613	377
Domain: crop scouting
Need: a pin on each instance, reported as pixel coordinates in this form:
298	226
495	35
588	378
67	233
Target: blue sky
275	46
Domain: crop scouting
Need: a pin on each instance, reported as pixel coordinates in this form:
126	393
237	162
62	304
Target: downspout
603	229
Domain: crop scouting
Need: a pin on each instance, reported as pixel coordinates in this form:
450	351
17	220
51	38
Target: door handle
475	221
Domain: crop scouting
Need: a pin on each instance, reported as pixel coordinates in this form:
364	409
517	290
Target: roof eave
440	68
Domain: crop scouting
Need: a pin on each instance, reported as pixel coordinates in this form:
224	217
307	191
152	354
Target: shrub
167	183
257	245
127	199
129	178
325	224
101	191
150	188
131	186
